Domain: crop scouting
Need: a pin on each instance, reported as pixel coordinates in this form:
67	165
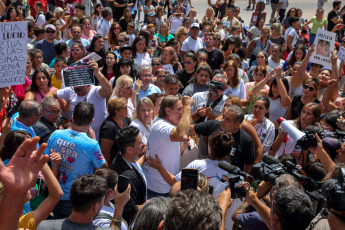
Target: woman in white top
96	16
284	143
277	95
263	126
176	19
124	88
235	83
143	116
295	82
139	51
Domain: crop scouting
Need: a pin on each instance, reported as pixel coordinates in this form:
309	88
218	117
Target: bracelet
117	220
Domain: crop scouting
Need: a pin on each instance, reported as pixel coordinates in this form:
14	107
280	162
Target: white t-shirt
239	92
143	131
200	100
143	59
169	152
94	98
273	64
292	32
175	24
191	44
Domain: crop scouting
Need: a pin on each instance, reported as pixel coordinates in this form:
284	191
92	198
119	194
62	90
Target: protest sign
324	41
79	74
13	45
341	54
226	24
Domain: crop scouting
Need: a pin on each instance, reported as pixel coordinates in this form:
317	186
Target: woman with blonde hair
235	83
209	16
277	36
163	35
124	88
143	116
169	60
117	119
181	34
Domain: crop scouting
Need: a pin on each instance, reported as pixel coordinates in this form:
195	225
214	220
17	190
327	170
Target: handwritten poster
324	41
13	46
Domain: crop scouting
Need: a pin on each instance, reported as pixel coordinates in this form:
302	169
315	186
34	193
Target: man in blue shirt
80	154
47	44
76	36
29	113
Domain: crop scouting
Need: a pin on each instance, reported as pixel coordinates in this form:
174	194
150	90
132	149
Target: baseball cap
195	25
50	26
151	13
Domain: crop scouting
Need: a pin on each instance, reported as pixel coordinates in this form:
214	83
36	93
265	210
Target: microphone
233	169
270	160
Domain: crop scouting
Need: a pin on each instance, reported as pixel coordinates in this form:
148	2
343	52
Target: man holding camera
210	103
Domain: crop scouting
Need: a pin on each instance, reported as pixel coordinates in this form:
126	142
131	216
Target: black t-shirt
109	130
215	58
184	77
243	151
297	106
330	16
118	12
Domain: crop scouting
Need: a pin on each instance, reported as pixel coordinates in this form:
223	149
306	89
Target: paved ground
308	6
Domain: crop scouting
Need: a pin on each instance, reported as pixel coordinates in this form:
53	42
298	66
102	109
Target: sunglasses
237	11
50	31
116	28
188	62
120	40
75	50
155	64
311	89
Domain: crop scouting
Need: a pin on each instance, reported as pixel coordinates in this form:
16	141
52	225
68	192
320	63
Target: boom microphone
270	160
233	169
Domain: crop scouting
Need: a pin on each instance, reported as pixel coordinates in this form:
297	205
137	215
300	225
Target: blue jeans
63	209
311	38
152	194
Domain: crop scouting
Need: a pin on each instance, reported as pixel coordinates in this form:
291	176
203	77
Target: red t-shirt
19	90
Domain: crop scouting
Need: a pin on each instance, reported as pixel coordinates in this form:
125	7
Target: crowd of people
171	92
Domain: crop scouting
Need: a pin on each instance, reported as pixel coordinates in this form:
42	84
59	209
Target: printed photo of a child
323	48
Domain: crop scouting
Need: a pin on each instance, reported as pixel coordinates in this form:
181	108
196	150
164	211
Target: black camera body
307	141
334	191
214	85
266	172
236	191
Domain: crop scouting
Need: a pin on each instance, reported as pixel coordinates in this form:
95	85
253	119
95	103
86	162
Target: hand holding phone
189	179
122	183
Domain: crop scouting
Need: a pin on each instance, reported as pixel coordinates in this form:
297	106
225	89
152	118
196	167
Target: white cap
195	25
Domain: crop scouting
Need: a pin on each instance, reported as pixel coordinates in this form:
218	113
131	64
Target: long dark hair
266	103
136	40
123	62
105	68
8	14
292	59
12	142
93	41
33	86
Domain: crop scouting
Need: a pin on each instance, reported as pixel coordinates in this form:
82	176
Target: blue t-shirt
150	90
48	50
80	155
17	125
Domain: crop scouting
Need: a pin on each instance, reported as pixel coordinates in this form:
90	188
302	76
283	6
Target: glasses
146	75
75	50
311	89
76	32
38	57
188	62
116	28
237	11
276	51
53	112
120	41
50	31
156	64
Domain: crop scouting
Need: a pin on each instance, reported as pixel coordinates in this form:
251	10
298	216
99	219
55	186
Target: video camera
334	191
233	177
214	85
270	169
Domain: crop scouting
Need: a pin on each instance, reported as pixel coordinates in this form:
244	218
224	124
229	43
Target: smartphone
189	179
122	183
210	190
71	12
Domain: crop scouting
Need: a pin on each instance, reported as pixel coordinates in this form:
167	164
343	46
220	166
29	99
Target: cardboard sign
226	24
255	17
79	74
341	54
324	41
13	46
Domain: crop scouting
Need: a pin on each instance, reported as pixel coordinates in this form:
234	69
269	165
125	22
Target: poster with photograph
324	45
341	54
